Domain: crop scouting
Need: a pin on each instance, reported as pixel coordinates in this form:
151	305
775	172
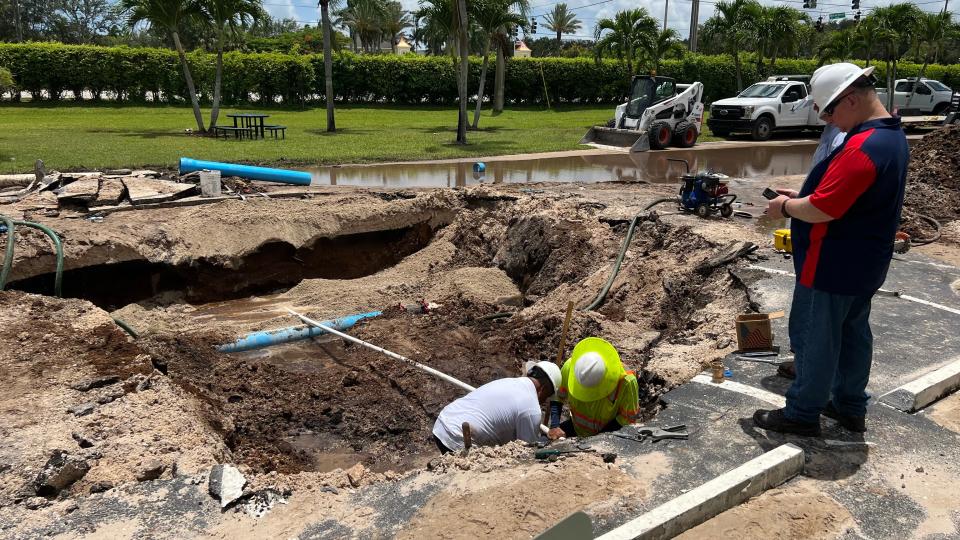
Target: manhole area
274	266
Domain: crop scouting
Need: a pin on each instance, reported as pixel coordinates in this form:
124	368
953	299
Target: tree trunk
736	65
464	66
559	44
189	78
483	81
327	66
913	90
889	88
498	82
217	82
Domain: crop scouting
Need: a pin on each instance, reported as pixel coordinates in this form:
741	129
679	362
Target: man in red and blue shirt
844	219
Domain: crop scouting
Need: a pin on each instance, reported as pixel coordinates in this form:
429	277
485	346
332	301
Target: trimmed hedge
133	74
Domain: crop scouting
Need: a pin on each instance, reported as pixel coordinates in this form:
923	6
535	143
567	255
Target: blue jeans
833	348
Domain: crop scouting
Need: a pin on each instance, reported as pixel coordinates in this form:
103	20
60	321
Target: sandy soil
794	512
946	412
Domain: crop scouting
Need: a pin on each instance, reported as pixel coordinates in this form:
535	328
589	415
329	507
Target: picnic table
253	121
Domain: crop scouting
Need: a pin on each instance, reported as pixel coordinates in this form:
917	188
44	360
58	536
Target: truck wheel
940	108
726	210
762	128
703	210
685	135
660	135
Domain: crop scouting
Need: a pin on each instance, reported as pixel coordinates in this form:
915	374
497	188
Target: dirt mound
933	181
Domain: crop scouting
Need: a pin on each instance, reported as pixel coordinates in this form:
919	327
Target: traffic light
533	25
857	16
806	4
820	24
855	4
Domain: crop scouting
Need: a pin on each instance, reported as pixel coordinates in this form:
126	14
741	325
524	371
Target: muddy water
735	161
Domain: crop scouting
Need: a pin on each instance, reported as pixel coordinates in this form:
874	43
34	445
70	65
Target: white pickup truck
931	97
779	103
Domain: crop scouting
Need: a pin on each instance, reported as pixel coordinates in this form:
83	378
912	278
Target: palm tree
733	25
895	26
660	45
867	37
931	36
840	45
395	20
364	19
169	15
777	29
625	33
462	28
327	63
561	21
493	16
229	18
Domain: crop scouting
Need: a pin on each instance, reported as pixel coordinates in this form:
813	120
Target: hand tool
657	434
467	438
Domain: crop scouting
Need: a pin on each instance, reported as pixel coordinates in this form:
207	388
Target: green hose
8	258
8	262
602	295
126	327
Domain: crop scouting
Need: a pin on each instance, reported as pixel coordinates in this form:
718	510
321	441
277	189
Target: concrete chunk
226	483
98	382
60	471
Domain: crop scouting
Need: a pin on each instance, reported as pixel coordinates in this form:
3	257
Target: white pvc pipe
393	355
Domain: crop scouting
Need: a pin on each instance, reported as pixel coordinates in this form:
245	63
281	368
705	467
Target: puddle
737	161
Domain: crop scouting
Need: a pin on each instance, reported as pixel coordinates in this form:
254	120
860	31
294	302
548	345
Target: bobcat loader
660	112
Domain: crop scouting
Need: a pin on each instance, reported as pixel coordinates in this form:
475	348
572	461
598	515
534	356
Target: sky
589	11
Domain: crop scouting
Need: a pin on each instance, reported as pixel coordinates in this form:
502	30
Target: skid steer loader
660	112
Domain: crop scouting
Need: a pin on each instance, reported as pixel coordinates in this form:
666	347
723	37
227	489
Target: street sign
838	16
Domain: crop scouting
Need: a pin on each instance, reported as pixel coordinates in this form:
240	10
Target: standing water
735	161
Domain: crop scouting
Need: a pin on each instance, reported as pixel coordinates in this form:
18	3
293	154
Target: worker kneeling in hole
601	395
500	411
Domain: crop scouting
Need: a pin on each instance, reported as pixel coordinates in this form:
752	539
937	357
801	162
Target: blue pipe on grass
246	171
267	338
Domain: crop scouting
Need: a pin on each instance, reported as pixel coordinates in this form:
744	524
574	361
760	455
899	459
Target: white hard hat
828	82
552	371
590	369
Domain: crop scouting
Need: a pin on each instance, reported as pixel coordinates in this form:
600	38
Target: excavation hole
274	266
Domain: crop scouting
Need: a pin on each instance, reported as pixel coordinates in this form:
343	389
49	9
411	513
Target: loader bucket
604	137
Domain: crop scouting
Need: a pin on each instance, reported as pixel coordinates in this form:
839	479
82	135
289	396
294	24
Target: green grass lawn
83	136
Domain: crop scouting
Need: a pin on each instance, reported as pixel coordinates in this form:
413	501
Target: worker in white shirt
498	412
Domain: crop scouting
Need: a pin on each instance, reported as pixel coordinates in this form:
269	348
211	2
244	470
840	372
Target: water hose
602	295
8	262
126	327
936	232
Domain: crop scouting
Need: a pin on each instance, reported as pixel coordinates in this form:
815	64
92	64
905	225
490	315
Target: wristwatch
783	209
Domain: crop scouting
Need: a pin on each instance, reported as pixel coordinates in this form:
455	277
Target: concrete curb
718	495
921	392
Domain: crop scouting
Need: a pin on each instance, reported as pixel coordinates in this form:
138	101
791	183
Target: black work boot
775	421
787	370
856	424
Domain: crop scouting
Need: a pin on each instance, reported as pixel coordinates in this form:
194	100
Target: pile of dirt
933	181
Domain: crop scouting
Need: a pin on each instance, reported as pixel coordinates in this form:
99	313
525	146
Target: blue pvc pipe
246	171
266	338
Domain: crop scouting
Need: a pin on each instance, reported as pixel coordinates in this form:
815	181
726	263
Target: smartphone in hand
770	194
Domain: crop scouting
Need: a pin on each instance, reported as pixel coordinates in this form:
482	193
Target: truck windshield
641	96
938	86
762	90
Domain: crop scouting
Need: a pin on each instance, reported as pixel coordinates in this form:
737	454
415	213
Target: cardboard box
754	332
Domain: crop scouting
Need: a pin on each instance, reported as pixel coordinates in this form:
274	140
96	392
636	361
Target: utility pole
694	24
666	4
